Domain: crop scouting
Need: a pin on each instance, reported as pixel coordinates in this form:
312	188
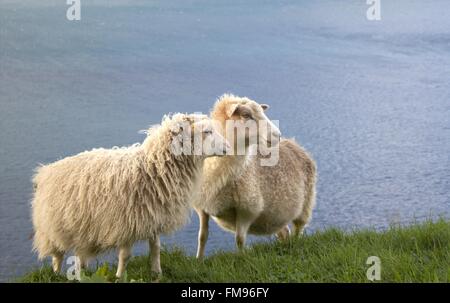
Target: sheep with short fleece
110	198
240	194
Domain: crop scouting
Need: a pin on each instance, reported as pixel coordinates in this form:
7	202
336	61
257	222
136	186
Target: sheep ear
176	129
232	109
265	106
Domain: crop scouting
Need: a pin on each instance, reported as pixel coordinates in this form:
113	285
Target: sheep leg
283	234
124	256
243	222
202	233
155	248
300	222
83	262
57	259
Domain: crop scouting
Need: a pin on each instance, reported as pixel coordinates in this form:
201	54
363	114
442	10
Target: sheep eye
208	131
246	116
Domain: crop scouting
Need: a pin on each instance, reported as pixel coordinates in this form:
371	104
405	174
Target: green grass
418	253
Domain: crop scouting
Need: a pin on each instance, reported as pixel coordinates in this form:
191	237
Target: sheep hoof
155	276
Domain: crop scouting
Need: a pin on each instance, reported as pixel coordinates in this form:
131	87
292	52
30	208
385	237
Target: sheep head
243	122
197	135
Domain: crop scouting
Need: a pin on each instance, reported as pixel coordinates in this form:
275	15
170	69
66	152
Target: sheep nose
226	148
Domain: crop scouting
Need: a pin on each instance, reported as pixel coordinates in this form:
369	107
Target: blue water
369	99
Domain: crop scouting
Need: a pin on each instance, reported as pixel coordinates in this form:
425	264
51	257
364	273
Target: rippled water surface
370	100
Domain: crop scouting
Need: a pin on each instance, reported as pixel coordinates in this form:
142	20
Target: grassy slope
419	253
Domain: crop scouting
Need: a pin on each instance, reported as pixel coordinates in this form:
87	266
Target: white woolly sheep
111	198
